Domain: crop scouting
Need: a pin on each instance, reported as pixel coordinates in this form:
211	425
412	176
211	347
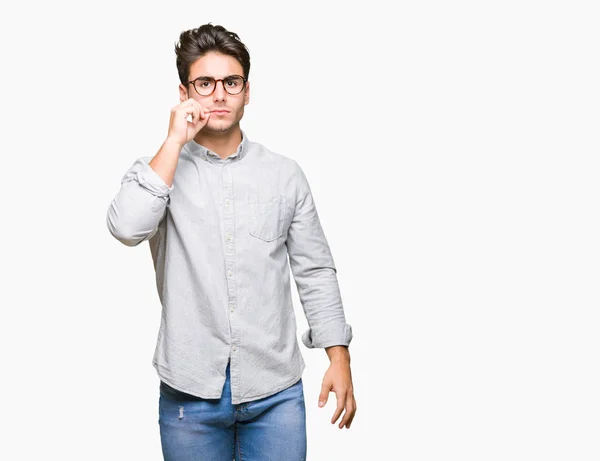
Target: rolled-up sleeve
140	204
315	273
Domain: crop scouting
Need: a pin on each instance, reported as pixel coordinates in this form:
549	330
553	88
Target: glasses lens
233	85
204	86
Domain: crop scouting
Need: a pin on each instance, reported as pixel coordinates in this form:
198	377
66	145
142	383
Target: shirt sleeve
315	273
140	204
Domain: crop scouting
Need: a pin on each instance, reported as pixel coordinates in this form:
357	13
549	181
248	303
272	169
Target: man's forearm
165	160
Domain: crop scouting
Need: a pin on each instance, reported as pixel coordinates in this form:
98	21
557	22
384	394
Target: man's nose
219	94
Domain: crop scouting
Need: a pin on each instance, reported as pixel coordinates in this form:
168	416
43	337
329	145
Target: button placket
229	251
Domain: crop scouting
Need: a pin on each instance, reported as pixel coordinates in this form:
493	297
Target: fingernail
321	403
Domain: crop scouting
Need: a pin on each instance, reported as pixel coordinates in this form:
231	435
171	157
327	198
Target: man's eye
205	83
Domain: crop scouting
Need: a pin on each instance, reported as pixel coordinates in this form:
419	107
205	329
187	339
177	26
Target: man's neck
222	144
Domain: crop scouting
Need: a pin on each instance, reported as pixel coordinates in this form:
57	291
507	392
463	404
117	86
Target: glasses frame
217	80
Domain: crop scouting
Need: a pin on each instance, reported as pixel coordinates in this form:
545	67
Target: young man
222	214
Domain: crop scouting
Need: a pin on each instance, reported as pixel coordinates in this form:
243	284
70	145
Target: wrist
338	354
173	142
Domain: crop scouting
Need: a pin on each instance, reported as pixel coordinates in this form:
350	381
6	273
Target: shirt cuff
328	335
149	179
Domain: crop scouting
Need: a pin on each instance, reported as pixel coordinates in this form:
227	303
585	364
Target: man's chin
217	127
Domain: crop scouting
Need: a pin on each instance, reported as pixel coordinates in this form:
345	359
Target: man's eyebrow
208	76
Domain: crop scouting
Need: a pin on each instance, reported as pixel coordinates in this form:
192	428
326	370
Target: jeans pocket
266	218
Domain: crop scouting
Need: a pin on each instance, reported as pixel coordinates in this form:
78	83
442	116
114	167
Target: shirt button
231	309
229	237
227	202
234	348
229	273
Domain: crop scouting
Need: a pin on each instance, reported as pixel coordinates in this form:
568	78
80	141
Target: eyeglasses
233	84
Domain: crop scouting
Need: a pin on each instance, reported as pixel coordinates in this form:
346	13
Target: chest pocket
267	217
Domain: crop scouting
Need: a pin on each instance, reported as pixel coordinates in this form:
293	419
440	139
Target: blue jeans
198	429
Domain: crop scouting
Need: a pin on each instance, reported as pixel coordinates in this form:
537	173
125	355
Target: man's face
217	65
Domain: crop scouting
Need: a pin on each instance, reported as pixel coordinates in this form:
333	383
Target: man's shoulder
265	154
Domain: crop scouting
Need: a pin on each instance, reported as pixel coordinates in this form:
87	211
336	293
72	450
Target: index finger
204	112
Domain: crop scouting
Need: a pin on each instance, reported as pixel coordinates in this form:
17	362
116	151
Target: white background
452	150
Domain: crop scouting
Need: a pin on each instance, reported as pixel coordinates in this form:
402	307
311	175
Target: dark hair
195	43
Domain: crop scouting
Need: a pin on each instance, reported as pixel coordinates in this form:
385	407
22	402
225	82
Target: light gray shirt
220	238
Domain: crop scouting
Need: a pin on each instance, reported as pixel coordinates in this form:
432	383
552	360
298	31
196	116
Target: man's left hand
338	378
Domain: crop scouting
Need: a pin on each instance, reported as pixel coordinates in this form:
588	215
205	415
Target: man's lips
219	111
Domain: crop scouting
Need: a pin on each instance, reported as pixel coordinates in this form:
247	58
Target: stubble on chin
220	128
217	126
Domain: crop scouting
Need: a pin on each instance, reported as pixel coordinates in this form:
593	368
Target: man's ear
247	95
183	94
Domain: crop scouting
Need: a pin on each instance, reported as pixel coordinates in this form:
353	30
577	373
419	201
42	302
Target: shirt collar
199	150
